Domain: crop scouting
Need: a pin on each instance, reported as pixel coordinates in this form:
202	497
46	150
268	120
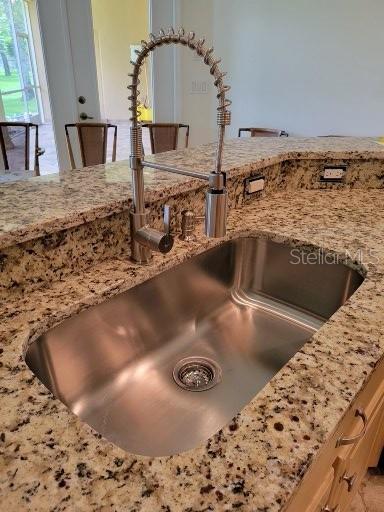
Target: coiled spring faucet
145	239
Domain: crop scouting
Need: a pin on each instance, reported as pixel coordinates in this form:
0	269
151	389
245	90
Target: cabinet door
358	461
315	493
378	443
320	496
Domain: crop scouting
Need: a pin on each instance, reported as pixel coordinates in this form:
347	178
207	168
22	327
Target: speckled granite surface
52	461
34	207
34	263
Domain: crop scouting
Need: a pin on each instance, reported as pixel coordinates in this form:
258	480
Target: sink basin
159	369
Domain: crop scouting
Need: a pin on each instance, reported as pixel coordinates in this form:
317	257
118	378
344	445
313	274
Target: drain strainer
197	373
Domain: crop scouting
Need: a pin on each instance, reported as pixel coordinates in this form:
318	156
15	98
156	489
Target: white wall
161	15
310	67
175	67
195	109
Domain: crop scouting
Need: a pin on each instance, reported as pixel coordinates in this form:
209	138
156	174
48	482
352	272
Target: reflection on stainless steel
144	239
241	305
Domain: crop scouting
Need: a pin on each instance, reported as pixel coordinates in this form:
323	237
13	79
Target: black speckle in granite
238	487
3	260
219	495
83	471
206	489
233	426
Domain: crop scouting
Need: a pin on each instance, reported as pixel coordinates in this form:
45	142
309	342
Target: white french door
69	54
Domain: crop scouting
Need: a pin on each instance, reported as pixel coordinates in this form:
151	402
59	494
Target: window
19	88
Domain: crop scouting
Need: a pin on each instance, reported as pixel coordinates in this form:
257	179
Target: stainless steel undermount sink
160	368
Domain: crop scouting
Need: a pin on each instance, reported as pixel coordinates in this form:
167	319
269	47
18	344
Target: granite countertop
36	206
52	461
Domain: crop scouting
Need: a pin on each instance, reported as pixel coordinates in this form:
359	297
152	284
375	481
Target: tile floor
48	161
370	497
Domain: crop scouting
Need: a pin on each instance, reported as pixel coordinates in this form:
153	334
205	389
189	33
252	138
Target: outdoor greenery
14	105
10	82
6	43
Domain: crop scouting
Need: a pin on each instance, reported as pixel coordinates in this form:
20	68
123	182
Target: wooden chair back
263	132
15	146
164	136
93	141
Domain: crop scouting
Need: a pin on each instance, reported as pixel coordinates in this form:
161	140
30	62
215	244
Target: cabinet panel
378	442
358	438
358	461
321	497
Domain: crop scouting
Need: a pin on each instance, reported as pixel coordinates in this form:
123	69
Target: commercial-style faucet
145	239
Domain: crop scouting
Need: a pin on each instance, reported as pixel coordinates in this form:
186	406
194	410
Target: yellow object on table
145	114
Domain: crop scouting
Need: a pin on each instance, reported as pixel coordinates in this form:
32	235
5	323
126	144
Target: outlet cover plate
333	173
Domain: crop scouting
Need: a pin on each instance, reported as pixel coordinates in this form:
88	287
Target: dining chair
164	136
263	132
93	142
15	140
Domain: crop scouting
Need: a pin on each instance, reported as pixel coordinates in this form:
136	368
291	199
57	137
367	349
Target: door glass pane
32	104
18	13
25	61
14	108
16	65
9	75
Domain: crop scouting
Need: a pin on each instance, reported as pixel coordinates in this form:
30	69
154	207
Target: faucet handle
167	219
153	239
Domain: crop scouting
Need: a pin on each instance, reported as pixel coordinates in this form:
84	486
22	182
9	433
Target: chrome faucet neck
188	40
216	197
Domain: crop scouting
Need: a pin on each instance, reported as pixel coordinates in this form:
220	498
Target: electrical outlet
333	173
253	185
199	87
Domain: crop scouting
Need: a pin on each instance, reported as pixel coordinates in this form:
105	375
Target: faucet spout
144	238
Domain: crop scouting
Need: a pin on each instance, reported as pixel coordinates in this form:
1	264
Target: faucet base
216	213
139	253
145	239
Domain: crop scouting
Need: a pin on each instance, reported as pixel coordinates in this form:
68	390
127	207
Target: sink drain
197	373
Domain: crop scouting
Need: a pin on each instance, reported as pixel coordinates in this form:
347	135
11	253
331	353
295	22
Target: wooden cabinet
364	455
336	474
320	498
